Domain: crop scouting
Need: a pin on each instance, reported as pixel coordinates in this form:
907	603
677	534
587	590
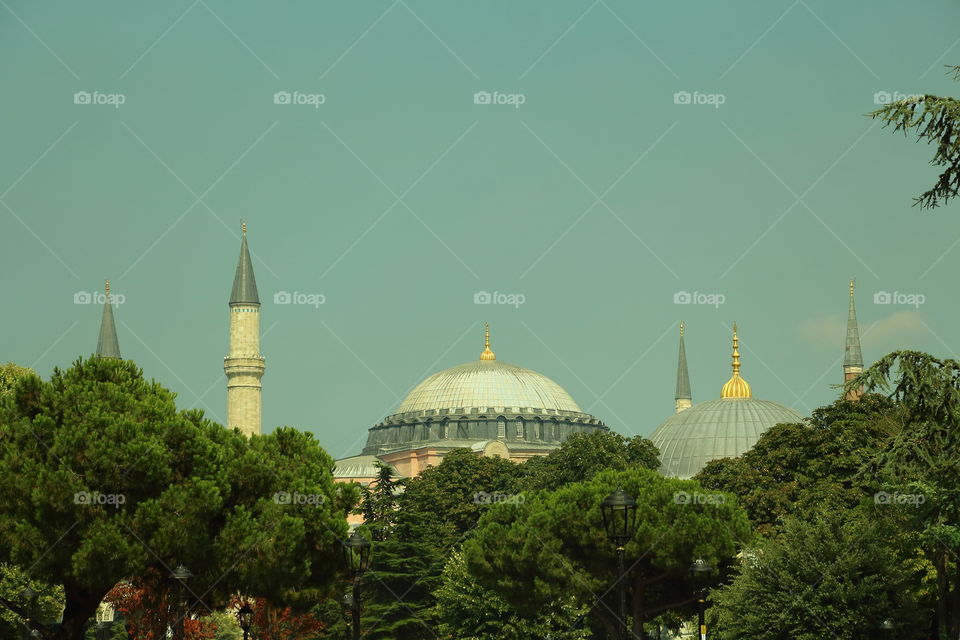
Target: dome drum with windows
486	405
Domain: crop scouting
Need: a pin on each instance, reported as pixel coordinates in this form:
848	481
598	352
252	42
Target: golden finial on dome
736	387
851	287
681	329
487	354
243	226
106	287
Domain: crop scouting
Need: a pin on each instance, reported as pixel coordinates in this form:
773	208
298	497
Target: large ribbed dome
488	384
721	428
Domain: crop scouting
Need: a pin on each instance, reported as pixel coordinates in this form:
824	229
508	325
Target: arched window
519	428
538	429
501	427
444	428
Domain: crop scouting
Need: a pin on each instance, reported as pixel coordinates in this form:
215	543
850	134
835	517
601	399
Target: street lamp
701	569
245	618
619	511
358	559
181	574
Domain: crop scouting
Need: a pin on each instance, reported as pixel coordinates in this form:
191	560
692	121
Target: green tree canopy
830	576
467	611
583	455
552	545
795	467
104	478
433	513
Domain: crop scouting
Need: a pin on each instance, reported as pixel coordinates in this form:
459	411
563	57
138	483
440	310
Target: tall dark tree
433	514
920	467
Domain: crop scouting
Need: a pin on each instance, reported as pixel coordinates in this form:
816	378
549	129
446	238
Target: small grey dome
721	428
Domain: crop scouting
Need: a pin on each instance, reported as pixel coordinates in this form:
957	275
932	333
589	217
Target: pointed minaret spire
736	387
684	399
852	356
487	354
244	284
107	344
244	366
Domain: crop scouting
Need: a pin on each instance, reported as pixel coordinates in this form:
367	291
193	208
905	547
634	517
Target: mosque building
730	425
499	409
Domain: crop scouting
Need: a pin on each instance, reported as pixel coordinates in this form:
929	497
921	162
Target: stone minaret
852	357
683	398
107	344
244	366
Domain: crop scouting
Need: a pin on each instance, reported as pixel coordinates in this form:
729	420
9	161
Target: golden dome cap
736	387
487	354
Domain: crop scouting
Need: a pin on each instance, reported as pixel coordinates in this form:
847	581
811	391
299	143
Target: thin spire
487	354
852	356
683	398
107	344
736	387
244	284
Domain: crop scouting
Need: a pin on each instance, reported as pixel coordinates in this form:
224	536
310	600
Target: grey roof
244	284
721	428
107	344
852	356
360	467
683	377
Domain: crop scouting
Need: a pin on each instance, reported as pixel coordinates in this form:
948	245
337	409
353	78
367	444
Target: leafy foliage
583	455
796	468
553	545
834	576
105	479
936	120
467	611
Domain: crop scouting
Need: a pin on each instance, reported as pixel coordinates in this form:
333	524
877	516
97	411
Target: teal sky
399	198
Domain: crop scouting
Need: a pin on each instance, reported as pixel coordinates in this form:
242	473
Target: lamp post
700	569
103	630
28	598
358	559
619	511
346	604
245	618
181	574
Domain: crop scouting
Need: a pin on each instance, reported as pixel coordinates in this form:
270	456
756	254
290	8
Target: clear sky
587	182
